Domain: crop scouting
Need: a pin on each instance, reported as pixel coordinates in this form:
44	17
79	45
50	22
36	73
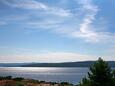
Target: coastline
20	81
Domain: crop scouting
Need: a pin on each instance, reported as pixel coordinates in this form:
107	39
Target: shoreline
20	81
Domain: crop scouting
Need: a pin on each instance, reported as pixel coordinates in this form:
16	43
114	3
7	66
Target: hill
64	64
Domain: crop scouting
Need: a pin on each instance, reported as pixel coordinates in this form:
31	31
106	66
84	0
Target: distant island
64	64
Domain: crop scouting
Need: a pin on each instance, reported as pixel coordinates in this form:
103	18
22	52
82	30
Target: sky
56	30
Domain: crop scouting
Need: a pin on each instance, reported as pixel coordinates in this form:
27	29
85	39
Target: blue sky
56	30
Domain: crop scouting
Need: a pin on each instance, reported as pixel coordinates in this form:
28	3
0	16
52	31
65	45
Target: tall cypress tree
100	74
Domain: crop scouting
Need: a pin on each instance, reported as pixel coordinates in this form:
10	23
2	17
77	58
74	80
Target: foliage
19	84
65	83
100	75
113	73
5	77
85	82
18	79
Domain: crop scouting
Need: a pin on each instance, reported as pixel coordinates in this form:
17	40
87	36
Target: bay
53	74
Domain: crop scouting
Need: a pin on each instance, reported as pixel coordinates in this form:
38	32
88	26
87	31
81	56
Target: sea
50	74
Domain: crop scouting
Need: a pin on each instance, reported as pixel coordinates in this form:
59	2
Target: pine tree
100	74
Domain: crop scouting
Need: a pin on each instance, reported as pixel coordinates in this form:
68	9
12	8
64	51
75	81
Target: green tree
100	74
113	73
18	79
85	82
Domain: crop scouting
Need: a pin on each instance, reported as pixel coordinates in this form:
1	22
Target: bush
5	77
18	79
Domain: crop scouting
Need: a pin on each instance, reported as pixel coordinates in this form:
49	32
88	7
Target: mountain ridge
62	64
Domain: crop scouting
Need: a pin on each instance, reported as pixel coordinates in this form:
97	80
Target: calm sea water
72	75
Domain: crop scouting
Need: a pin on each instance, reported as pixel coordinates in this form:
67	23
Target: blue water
72	75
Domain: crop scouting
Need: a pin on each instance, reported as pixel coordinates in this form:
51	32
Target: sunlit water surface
72	75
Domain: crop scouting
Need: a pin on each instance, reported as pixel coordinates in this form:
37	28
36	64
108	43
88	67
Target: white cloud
25	4
52	57
86	31
16	17
35	5
49	57
60	12
78	24
87	27
45	55
3	23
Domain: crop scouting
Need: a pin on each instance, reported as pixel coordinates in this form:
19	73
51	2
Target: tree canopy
100	74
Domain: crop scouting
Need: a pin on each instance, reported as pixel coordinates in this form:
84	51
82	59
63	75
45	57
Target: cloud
86	31
10	54
77	23
48	57
86	28
3	23
25	4
36	5
51	57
